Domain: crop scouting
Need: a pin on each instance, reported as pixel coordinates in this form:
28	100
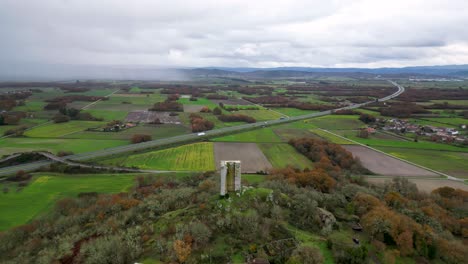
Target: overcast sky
253	33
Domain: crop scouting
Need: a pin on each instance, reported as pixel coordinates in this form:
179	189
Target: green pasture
108	115
337	122
260	115
54	145
199	101
283	155
191	157
18	207
440	121
292	111
156	132
52	130
259	135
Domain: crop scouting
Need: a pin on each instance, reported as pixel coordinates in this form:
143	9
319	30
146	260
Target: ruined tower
230	176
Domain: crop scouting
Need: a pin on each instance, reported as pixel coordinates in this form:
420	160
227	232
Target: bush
138	138
60	118
237	118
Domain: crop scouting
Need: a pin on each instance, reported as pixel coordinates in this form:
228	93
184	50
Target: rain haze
62	36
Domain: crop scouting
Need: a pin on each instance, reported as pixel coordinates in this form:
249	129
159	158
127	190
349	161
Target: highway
187	138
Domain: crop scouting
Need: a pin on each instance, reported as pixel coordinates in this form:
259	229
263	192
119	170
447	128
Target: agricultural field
191	157
52	130
290	133
337	122
260	115
450	162
382	164
155	131
259	136
251	157
331	137
200	101
54	145
425	185
108	115
282	155
18	207
292	111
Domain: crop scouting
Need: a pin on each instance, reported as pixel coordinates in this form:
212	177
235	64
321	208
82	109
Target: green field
441	121
373	142
281	155
253	178
18	207
53	130
452	163
259	115
330	137
192	157
335	122
13	145
199	101
292	111
156	132
108	115
259	135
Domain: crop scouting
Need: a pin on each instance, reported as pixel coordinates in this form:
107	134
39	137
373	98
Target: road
187	138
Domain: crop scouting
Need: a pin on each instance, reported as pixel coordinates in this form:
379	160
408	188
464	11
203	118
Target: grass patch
282	155
258	135
41	194
108	115
253	178
192	157
57	130
310	239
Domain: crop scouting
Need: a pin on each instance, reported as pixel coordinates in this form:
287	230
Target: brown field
193	108
427	185
150	116
231	102
384	165
251	157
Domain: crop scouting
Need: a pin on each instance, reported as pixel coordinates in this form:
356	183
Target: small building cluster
444	134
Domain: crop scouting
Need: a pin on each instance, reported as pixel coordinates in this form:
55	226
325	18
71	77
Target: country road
186	138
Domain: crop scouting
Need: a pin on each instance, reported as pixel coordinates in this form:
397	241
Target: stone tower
230	176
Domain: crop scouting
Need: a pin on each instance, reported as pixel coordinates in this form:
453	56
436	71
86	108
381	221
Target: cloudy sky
253	33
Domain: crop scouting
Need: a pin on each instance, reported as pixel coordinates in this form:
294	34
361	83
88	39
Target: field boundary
449	177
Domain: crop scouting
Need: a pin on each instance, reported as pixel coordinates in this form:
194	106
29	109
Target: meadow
282	155
54	145
292	111
260	115
18	207
191	157
259	135
337	122
155	131
52	130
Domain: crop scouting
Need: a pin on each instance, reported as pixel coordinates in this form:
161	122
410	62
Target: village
434	133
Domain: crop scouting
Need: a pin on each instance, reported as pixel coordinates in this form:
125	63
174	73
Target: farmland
46	188
192	157
282	155
58	130
259	135
251	157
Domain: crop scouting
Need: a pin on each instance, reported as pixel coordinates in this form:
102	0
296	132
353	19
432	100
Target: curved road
186	138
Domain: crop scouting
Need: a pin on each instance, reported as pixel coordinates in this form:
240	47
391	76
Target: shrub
138	138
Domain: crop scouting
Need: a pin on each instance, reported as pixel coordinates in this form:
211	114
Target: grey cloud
262	33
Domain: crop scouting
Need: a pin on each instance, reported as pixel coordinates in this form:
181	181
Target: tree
138	138
182	249
60	118
306	255
366	118
217	111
